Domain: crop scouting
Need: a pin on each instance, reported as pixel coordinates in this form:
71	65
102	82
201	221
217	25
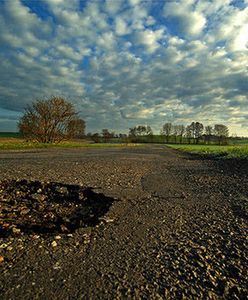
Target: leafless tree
175	132
167	131
208	133
188	133
140	133
76	128
95	137
51	120
107	135
196	130
181	131
140	130
221	132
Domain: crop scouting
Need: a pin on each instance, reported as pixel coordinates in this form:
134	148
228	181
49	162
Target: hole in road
48	207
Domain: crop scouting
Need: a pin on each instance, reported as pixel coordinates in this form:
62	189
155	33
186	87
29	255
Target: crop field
230	151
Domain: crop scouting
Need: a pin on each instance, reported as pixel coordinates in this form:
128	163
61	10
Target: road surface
176	228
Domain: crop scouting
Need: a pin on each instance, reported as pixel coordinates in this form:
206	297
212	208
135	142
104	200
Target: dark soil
177	231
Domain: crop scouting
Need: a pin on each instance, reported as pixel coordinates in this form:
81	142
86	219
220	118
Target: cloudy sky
127	62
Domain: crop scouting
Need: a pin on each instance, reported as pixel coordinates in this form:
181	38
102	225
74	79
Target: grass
241	141
9	135
231	151
20	144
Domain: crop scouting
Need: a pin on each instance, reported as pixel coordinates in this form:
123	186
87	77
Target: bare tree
196	130
176	132
208	133
49	121
189	133
221	132
123	137
181	131
95	137
107	135
167	131
149	130
132	132
140	130
76	128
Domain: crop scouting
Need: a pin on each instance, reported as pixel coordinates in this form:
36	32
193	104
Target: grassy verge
19	144
237	151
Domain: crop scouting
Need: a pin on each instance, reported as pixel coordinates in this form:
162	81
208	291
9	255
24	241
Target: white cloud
68	52
58	5
189	21
240	42
132	113
230	28
150	21
136	16
134	2
107	40
211	7
121	27
119	64
149	39
112	7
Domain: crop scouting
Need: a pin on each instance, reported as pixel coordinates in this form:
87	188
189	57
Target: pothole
48	207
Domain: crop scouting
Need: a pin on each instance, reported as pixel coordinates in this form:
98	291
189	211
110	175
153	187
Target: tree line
195	133
55	119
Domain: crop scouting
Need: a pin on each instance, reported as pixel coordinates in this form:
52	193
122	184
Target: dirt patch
48	207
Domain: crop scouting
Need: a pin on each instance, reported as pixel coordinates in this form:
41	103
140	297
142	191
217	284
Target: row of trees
55	119
137	131
195	132
170	133
104	136
141	130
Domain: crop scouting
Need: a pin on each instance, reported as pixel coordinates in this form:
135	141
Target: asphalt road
176	229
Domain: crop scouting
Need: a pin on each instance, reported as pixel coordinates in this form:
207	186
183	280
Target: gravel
166	225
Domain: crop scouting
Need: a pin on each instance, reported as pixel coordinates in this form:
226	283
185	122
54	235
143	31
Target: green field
19	144
242	141
232	151
10	135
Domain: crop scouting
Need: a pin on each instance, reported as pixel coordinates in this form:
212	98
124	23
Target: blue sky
127	62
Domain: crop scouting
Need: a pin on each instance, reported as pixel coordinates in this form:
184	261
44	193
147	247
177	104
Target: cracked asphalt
177	231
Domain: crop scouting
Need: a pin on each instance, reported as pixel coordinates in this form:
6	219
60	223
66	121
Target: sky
127	62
